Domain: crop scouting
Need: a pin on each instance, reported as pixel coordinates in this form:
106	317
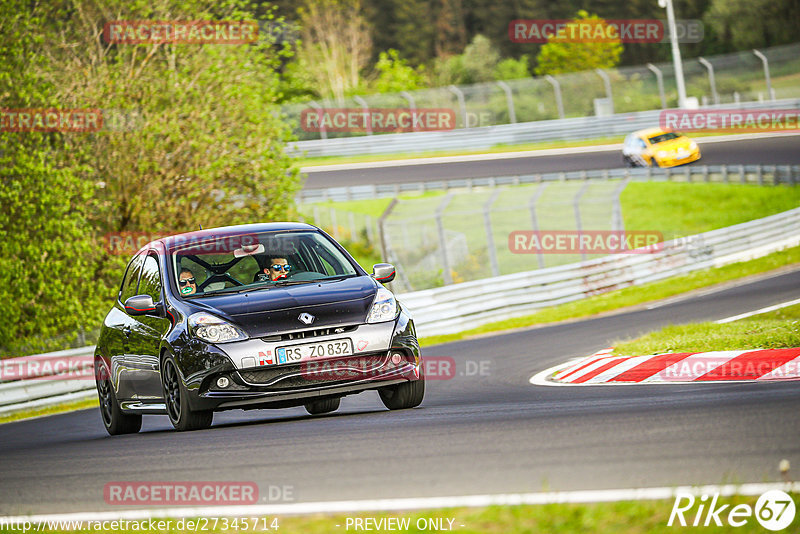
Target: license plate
310	351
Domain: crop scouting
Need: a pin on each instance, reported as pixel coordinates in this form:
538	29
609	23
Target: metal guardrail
462	306
755	174
46	379
511	134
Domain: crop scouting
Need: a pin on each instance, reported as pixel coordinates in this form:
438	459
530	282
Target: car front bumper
254	383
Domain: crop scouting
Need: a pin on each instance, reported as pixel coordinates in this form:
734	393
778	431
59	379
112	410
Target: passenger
186	282
277	269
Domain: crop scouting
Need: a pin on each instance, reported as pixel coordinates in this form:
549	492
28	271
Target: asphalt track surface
488	434
767	150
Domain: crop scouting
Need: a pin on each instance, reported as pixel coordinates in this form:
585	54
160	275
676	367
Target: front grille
306	334
315	373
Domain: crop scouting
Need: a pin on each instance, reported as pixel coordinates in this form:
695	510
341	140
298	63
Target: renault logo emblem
306	318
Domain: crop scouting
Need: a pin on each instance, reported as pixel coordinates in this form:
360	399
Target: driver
186	282
277	269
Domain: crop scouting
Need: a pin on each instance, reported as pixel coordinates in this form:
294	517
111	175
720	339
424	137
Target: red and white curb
685	367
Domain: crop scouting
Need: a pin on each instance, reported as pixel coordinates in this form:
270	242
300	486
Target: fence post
534	219
382	228
448	276
411	105
352	221
322	133
660	80
487	221
512	116
461	104
607	82
576	206
363	103
617	222
370	230
557	88
334	224
765	61
710	68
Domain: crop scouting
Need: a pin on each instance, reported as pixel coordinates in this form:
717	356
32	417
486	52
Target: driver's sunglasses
184	281
279	267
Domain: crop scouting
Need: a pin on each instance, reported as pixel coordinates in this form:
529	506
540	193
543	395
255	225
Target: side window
150	283
131	279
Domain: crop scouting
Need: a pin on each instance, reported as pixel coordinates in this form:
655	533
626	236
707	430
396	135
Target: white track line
513	155
422	503
757	312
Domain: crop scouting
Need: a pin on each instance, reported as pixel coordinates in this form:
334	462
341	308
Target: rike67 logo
774	510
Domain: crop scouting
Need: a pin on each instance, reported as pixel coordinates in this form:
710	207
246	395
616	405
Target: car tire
654	163
181	416
405	395
114	419
627	162
322	406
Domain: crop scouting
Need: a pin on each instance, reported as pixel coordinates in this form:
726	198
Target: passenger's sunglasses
185	281
279	267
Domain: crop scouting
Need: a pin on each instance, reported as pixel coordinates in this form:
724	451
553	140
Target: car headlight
213	329
384	307
662	154
692	146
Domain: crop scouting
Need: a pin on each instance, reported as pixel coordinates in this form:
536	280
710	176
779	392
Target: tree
207	147
336	43
560	55
754	23
395	75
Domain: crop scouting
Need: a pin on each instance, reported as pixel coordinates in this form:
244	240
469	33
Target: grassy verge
632	296
774	330
523	147
627	517
50	410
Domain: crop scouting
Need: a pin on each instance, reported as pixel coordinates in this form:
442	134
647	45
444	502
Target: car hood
673	145
276	310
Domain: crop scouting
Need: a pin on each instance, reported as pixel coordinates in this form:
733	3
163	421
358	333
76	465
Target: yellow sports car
656	147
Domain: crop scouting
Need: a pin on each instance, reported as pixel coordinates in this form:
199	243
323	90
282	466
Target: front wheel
180	414
322	406
114	419
405	395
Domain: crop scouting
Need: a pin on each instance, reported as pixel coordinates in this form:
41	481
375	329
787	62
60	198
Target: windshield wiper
282	283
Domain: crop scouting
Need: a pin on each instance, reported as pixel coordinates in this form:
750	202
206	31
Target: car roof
227	231
649	132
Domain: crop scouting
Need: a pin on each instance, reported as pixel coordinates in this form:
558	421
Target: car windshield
660	138
227	264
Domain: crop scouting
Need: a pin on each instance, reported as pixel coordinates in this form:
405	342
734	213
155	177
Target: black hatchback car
256	316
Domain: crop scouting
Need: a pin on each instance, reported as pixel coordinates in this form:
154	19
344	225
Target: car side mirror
140	305
383	272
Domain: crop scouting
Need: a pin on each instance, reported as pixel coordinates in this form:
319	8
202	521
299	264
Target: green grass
681	209
50	410
626	517
523	147
774	330
631	296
